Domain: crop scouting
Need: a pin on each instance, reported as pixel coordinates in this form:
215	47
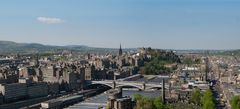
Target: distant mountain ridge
7	47
14	47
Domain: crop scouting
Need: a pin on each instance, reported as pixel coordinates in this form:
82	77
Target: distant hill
13	47
231	52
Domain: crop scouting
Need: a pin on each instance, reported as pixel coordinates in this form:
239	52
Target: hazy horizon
164	24
123	47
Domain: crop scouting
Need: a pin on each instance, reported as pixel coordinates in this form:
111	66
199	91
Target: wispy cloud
50	20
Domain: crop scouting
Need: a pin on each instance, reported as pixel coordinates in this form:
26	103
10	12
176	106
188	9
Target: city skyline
166	24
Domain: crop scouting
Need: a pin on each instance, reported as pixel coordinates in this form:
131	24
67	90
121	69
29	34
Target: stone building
14	91
100	74
48	71
89	72
121	62
9	74
26	72
37	90
110	74
123	103
116	101
70	78
1	99
53	88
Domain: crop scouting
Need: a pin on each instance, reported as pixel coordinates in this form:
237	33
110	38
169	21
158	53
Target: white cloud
50	20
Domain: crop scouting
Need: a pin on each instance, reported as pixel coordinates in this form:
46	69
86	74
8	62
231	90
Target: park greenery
235	102
208	100
196	97
143	102
205	100
190	61
157	63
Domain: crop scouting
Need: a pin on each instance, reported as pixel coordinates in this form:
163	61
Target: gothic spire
120	50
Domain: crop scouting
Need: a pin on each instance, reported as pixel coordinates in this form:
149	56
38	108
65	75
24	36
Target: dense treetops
143	102
148	103
190	61
156	64
206	100
196	97
235	102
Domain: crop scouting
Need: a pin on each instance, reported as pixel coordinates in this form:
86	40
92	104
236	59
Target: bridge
134	81
136	84
131	81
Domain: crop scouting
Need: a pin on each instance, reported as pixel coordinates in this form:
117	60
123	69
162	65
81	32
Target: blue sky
174	24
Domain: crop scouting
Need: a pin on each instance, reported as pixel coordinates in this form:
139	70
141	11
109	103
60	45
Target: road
216	92
216	89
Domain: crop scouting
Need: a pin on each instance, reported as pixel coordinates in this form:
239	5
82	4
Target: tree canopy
196	97
157	62
208	100
235	102
143	102
189	61
148	103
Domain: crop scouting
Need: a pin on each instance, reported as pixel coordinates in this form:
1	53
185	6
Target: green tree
235	102
139	101
209	105
107	107
188	61
208	100
156	65
183	105
158	103
137	97
208	95
148	103
196	97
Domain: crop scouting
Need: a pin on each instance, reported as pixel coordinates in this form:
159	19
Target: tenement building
13	92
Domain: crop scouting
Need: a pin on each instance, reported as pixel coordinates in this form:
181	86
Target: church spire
120	50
